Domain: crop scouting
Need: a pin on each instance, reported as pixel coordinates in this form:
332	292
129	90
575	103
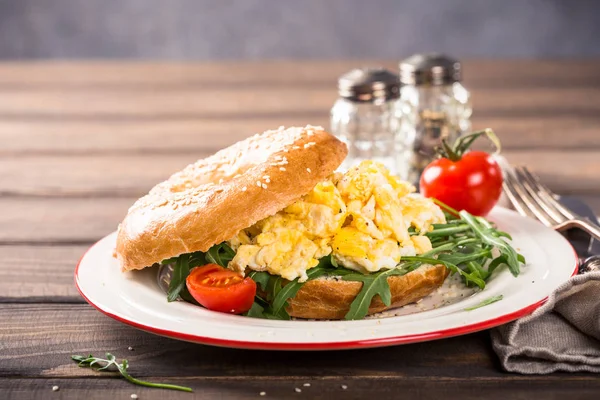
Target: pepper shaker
365	117
433	105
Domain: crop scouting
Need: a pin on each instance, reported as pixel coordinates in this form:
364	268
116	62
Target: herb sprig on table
110	364
467	245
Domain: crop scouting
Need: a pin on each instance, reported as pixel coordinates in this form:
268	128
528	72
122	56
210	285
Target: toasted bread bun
209	201
331	299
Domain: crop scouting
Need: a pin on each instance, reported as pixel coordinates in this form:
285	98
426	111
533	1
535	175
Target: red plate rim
357	344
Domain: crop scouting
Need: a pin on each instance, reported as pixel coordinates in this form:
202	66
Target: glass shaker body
428	114
370	130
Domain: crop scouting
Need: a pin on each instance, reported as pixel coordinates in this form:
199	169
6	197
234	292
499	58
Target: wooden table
81	141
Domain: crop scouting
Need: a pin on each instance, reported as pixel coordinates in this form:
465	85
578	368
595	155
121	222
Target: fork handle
584	224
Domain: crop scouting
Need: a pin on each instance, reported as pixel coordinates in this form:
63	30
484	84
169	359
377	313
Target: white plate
135	299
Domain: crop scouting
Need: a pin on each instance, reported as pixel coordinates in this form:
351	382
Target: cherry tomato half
473	183
220	289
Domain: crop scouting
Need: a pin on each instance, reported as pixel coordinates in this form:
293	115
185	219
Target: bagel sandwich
273	208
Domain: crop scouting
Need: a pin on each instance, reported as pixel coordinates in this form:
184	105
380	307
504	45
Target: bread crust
209	201
331	299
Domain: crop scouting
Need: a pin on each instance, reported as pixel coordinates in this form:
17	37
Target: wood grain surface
81	141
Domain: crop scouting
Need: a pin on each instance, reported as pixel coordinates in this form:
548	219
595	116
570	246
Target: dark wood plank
252	102
537	133
326	388
83	75
195	136
39	339
184	102
133	175
192	136
39	273
58	220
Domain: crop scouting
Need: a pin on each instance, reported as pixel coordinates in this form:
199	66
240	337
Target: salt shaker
365	117
433	105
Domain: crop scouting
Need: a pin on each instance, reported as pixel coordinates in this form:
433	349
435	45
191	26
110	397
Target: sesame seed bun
211	200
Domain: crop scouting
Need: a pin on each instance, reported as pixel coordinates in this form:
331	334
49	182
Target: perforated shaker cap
369	85
430	69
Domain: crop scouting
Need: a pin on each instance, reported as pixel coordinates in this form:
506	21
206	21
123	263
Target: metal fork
532	198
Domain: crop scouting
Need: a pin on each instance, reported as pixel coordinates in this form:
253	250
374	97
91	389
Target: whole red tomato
220	289
472	183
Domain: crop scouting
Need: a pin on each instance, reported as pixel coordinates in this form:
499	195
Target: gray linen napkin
561	335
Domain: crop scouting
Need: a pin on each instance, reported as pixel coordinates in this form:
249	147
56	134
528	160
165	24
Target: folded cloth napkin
561	335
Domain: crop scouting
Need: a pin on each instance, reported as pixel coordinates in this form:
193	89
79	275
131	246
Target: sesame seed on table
81	142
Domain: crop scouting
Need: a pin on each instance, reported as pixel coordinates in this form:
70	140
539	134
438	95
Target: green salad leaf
220	254
181	270
469	277
373	284
485	232
485	302
256	311
288	291
261	278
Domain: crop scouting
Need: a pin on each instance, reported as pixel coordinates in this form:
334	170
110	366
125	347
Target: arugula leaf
261	278
452	267
484	233
496	262
111	361
288	291
181	269
186	296
180	272
273	286
220	254
450	230
332	261
478	270
212	255
485	302
457	258
196	259
373	284
282	314
256	311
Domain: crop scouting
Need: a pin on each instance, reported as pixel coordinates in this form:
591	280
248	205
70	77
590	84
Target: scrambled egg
362	217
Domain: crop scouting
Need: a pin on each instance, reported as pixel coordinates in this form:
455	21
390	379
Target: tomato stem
448	152
462	144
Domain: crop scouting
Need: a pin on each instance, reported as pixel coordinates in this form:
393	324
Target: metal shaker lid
430	69
369	85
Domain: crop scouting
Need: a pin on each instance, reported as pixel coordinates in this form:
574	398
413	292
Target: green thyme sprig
101	364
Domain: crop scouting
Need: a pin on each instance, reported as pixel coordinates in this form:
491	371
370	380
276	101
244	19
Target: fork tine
547	195
515	198
534	191
521	199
